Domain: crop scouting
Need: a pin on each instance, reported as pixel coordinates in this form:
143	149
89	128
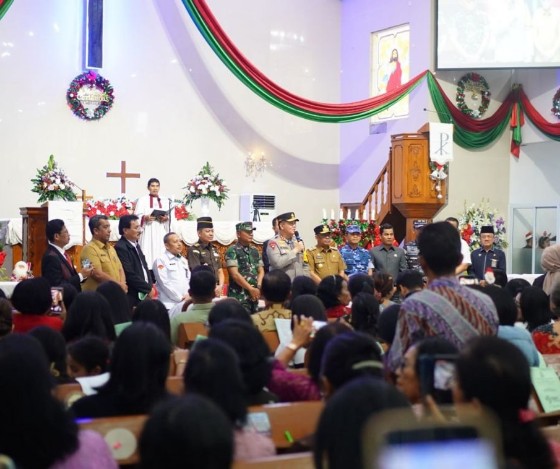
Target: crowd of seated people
362	356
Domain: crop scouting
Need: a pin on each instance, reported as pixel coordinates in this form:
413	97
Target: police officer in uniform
357	259
204	253
284	251
245	268
323	259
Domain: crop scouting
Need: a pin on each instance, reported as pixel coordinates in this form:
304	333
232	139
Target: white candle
332	213
341	214
324	214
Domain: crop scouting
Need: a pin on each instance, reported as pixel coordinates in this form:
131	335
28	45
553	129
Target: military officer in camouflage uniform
357	259
245	268
324	259
284	251
204	253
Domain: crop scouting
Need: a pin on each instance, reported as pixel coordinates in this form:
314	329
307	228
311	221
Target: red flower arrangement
370	232
181	213
111	208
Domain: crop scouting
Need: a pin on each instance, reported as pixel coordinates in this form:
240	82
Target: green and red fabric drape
4	5
275	94
469	133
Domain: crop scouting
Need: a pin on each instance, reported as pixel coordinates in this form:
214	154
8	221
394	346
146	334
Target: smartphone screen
434	453
436	376
56	305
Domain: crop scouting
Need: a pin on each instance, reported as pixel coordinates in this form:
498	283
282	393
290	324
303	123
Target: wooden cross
123	175
83	196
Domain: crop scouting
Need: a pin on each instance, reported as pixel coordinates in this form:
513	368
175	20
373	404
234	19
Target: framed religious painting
390	68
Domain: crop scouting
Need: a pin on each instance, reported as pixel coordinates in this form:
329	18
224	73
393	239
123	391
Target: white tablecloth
224	231
8	288
529	277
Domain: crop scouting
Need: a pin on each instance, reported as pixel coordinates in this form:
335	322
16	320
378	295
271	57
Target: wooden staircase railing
377	202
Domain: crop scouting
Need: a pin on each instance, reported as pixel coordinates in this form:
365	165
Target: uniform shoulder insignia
272	244
160	266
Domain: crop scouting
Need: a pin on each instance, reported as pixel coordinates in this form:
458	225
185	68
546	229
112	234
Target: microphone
298	239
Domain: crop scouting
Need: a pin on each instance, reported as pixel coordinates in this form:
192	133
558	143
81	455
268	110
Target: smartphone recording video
436	376
56	305
396	439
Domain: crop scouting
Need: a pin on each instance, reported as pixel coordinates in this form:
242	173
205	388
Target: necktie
68	259
139	253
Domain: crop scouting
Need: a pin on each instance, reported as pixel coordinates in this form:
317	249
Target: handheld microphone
298	239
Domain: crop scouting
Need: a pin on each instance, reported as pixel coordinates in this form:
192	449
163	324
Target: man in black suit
138	277
56	265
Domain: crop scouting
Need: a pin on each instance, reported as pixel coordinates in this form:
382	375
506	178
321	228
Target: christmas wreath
556	104
478	87
90	96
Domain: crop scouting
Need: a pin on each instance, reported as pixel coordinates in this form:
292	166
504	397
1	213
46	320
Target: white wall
176	106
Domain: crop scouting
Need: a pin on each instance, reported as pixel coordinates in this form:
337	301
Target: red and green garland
477	85
97	83
556	104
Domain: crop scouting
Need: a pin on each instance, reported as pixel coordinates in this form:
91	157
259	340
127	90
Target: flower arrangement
206	184
52	183
474	217
478	87
111	208
370	231
181	212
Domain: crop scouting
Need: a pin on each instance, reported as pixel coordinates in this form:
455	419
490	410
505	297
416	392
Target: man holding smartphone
56	264
444	308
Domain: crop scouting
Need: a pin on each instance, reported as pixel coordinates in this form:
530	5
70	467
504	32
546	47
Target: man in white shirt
465	250
171	271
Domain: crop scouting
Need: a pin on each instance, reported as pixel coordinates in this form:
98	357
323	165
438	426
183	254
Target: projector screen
482	34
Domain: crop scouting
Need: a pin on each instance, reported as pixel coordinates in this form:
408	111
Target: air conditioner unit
257	207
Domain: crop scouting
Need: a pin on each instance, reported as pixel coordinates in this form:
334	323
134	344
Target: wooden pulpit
413	192
34	238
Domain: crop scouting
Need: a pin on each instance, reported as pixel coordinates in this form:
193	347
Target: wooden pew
298	418
69	393
121	434
188	333
552	433
293	461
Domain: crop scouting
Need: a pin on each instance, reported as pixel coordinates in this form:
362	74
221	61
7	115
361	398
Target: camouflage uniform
358	261
247	260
